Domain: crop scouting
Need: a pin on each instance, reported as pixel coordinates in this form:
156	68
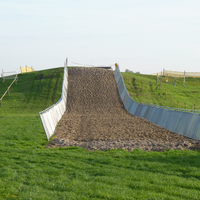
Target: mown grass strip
75	173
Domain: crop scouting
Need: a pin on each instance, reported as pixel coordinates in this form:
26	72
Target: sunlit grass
145	89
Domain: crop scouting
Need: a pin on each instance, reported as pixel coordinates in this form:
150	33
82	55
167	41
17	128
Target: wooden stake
157	79
175	83
184	79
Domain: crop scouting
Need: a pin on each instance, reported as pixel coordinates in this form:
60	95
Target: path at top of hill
96	119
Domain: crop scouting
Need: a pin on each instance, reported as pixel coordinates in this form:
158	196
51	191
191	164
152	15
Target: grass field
28	170
144	89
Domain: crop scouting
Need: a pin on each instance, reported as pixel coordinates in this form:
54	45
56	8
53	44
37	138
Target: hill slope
33	92
144	89
95	118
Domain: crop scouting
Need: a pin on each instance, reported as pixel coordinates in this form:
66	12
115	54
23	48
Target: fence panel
175	118
52	115
120	86
196	131
162	117
117	75
155	115
143	111
150	113
133	108
184	123
190	130
158	116
129	103
123	93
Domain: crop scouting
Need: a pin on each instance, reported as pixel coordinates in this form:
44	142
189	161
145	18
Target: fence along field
52	115
180	78
185	123
171	73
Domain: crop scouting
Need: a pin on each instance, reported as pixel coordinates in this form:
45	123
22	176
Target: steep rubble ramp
96	119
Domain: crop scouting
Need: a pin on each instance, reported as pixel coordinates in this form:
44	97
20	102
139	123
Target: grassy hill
33	91
28	170
144	89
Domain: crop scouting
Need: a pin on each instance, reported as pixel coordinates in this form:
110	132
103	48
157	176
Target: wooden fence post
157	79
175	83
184	79
16	78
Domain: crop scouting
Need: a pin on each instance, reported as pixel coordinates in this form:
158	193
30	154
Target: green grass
29	170
144	89
75	173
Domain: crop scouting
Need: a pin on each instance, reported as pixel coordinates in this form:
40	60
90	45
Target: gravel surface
96	119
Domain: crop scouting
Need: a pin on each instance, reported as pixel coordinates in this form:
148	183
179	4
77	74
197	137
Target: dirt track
96	119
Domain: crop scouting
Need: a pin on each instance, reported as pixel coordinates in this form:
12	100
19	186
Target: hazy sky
140	35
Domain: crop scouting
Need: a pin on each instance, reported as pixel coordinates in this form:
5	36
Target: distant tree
128	71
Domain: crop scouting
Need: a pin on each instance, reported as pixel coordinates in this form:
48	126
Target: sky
140	35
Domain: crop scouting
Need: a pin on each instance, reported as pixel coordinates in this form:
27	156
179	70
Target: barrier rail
184	123
52	115
9	75
177	73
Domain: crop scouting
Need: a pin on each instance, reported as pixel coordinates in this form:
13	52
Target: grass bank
145	89
28	170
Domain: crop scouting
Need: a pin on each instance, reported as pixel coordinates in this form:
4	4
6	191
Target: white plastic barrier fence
177	73
180	74
9	75
52	115
183	123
